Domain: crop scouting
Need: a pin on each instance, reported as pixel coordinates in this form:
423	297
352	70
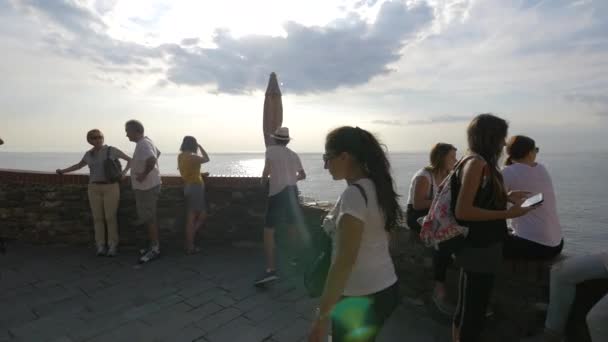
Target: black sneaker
148	256
267	277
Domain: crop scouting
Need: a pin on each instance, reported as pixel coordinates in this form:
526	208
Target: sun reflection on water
248	167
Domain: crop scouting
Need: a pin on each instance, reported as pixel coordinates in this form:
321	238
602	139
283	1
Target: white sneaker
112	251
101	250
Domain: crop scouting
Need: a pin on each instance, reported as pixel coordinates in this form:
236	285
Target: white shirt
429	177
284	167
542	224
144	149
373	270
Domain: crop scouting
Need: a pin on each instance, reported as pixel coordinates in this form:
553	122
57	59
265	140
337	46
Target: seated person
564	278
426	181
538	234
424	185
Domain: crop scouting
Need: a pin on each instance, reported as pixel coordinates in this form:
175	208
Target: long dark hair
189	144
371	155
519	147
486	136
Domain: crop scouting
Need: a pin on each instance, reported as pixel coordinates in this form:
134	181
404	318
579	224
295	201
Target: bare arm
421	194
266	171
150	163
349	234
301	175
123	156
471	181
74	167
205	157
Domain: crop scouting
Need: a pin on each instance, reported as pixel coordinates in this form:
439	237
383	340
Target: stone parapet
48	208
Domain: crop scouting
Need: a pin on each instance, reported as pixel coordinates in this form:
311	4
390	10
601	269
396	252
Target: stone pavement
66	294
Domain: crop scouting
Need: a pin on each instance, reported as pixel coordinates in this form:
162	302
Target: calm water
578	178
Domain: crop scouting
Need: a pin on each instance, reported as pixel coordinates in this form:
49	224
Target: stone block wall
42	207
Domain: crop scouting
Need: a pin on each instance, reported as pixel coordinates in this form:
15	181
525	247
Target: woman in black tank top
480	204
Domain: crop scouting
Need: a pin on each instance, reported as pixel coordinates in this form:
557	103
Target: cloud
589	99
440	120
365	3
83	35
443	119
70	15
346	53
104	6
190	41
388	122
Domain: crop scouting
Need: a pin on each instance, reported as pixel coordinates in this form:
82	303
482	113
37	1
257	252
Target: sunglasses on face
328	156
96	137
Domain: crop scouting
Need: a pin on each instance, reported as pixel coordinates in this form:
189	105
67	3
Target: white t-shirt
144	149
429	177
542	224
284	166
373	270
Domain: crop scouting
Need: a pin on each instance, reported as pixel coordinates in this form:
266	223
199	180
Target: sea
579	179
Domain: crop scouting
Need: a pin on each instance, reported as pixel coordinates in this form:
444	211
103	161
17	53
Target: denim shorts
194	195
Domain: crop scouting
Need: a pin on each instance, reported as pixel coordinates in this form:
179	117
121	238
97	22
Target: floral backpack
440	223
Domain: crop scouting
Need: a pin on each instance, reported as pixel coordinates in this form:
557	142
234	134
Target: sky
413	72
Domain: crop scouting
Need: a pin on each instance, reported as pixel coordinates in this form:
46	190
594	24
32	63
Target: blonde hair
91	132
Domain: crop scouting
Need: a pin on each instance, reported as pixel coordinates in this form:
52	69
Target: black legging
442	257
516	247
359	319
473	298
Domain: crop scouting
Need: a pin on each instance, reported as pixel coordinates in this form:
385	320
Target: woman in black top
481	205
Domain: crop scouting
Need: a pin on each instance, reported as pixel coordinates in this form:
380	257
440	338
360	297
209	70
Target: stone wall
42	207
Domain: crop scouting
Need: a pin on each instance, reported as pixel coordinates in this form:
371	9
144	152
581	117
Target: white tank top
421	173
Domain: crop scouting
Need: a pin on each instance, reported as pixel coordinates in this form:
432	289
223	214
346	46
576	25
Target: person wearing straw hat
282	170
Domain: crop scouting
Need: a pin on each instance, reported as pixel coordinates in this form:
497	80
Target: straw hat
282	133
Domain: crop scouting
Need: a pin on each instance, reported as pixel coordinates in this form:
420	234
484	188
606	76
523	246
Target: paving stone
218	319
133	331
69	295
238	330
205	297
293	332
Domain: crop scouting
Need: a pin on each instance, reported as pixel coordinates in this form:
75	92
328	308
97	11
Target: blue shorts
194	195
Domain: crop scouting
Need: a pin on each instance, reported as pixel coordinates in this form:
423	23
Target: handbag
112	168
316	275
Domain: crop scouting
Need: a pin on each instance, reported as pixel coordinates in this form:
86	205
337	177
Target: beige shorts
145	201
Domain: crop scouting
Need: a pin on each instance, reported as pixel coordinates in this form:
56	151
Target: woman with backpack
481	206
103	192
423	187
361	288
